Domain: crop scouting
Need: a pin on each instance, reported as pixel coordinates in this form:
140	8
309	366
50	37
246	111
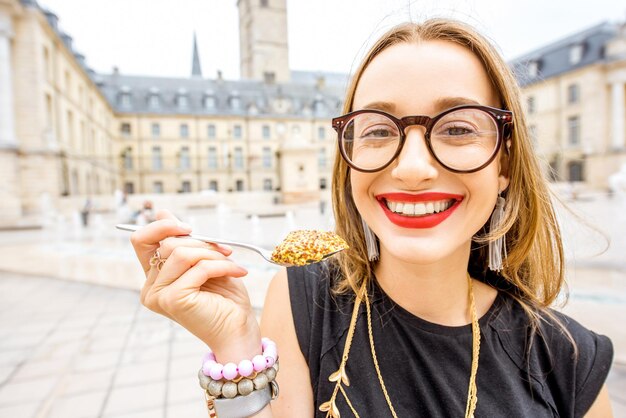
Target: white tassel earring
370	241
497	248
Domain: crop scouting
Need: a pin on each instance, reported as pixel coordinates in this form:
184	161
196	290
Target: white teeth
416	209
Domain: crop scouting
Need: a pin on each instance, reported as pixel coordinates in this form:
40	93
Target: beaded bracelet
241	386
245	368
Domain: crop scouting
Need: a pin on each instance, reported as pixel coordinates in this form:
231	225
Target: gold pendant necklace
340	377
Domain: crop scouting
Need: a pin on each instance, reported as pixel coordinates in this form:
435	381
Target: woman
440	308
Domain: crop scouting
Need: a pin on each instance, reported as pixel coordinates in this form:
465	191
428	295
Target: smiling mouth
419	209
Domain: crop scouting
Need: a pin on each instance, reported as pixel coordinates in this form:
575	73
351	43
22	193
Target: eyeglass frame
503	119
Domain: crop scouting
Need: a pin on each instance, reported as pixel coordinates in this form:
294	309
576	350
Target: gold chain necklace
340	377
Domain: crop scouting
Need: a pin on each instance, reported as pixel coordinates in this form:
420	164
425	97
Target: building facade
67	131
574	91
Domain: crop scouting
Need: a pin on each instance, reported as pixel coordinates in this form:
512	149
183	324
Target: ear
503	183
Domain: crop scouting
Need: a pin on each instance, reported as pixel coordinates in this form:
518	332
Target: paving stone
132	399
141	373
20	410
83	405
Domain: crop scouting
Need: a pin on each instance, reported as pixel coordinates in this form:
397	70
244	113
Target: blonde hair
534	262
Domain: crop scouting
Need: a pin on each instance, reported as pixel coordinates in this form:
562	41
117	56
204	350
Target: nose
415	164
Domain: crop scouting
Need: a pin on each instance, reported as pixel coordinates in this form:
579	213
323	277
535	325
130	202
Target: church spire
196	71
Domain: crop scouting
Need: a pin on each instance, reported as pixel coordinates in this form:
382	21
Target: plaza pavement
76	343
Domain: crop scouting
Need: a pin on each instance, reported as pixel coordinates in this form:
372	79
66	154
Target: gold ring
157	261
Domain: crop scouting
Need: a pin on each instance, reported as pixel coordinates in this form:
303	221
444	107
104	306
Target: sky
154	37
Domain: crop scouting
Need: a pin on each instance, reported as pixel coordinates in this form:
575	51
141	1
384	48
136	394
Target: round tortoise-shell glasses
463	139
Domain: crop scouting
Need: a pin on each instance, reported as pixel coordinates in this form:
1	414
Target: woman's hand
198	287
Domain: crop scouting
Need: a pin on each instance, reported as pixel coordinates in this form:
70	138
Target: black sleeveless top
426	367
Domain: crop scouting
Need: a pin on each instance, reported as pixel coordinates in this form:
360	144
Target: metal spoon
265	253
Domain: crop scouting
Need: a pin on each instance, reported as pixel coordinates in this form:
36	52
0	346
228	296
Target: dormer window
235	101
533	68
209	100
125	97
182	99
576	53
319	106
154	99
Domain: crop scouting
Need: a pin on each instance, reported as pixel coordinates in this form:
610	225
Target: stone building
574	90
67	131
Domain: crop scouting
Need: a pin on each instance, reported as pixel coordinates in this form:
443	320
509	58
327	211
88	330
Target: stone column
618	113
10	204
7	113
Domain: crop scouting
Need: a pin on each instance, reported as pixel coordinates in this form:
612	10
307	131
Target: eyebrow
441	104
444	103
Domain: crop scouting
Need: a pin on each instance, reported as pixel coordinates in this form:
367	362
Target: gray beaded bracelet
241	387
241	397
242	406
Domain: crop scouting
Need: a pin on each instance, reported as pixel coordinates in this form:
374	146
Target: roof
230	97
554	59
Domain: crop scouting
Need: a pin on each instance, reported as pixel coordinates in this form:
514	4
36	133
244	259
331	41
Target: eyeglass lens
462	140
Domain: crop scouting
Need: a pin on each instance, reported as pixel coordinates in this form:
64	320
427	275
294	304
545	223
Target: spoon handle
262	251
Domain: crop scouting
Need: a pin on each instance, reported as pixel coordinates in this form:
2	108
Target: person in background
441	307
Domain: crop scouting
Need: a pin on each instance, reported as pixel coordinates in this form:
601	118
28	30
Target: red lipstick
419	221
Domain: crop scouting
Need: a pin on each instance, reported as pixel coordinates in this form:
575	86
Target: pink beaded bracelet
230	371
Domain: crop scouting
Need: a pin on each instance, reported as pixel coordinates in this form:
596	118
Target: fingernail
242	270
226	247
184	226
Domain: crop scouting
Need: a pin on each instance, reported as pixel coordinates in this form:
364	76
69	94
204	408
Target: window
235	102
321	133
156	130
46	63
49	113
576	53
267	157
213	185
212	157
266	132
573	130
211	132
237	131
323	184
157	161
533	68
530	104
321	158
532	131
129	187
157	187
125	101
267	185
183	102
128	159
269	77
184	163
210	102
238	157
154	101
184	130
186	187
572	93
125	129
239	185
575	171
